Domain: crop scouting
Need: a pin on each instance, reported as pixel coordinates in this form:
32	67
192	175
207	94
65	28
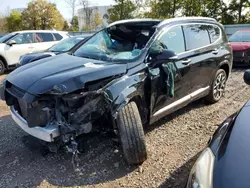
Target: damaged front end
56	116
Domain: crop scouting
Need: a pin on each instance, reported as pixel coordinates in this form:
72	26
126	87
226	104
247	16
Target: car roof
40	31
163	22
198	19
133	21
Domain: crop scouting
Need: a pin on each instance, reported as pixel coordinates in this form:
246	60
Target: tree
74	24
65	26
72	6
192	7
98	21
237	8
14	21
87	14
41	14
163	8
123	9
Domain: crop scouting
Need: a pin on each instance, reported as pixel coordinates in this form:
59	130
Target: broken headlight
58	89
202	172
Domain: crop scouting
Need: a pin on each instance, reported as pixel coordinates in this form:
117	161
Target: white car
16	44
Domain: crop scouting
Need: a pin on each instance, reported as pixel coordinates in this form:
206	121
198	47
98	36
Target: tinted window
23	38
66	44
240	36
214	32
57	36
173	39
7	37
196	36
44	37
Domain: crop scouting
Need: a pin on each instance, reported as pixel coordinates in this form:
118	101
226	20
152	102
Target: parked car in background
1	35
68	45
225	163
240	42
131	74
16	44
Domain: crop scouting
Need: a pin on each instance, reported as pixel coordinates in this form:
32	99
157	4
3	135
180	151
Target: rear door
201	54
24	44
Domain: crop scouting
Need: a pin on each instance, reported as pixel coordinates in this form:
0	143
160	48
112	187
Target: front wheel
2	67
132	134
218	87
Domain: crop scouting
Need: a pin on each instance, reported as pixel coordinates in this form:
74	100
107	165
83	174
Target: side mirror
247	77
163	56
166	55
11	42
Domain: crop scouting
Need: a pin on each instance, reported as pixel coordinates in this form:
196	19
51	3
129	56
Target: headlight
201	175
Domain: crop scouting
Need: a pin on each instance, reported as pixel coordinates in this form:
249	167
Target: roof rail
185	18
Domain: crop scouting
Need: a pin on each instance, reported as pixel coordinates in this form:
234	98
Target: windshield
5	38
66	45
240	36
103	46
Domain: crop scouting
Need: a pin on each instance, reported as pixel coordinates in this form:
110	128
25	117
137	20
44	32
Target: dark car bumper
241	59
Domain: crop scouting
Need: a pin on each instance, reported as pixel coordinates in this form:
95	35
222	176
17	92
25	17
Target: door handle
30	47
215	52
186	61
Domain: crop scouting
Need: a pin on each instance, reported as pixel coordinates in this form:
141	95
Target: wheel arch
4	61
226	68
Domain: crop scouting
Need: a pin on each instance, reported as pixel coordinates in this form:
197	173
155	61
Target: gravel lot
173	145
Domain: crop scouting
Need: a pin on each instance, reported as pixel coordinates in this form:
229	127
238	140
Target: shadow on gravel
25	163
178	178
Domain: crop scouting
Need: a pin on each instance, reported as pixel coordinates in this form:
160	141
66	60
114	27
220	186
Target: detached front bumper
48	133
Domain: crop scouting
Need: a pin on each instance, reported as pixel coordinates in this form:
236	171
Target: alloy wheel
219	85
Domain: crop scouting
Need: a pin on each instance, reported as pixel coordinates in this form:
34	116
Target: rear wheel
218	87
2	67
132	134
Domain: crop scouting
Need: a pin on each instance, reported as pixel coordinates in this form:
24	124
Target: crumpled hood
232	163
65	71
240	46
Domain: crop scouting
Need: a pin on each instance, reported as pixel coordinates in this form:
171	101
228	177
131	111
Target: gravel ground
173	145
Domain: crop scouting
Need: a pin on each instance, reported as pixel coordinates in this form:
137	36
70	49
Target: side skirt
179	104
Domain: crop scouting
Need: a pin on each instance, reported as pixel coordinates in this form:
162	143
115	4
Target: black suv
132	73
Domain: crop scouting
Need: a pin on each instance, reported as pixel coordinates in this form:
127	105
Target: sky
61	5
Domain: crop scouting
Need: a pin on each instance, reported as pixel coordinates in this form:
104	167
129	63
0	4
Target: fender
122	90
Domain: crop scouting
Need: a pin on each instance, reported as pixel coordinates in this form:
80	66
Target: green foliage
123	9
14	21
218	9
163	9
98	21
74	22
41	14
65	26
236	9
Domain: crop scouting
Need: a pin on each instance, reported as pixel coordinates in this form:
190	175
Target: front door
24	45
170	81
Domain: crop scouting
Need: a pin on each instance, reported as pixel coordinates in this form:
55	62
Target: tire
2	67
132	134
217	87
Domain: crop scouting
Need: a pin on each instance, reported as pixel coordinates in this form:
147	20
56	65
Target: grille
238	54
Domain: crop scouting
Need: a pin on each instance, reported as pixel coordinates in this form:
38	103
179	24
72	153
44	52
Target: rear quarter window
44	37
58	36
196	36
214	32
